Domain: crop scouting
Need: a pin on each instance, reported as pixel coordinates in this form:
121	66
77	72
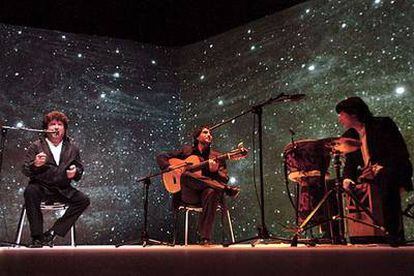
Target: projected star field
123	104
328	50
128	101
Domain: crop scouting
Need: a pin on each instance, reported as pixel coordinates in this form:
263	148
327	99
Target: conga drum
306	158
306	161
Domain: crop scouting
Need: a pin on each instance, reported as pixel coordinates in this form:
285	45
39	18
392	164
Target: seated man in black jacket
51	163
205	189
383	158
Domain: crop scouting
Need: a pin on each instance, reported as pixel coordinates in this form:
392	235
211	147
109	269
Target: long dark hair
355	106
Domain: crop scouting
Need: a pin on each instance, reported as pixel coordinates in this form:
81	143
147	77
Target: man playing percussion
383	157
205	189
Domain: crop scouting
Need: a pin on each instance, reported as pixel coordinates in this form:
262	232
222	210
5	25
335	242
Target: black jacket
51	176
386	147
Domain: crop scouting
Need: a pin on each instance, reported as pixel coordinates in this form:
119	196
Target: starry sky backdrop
128	101
328	50
123	103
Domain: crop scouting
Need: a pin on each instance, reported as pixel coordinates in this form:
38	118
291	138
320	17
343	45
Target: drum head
304	159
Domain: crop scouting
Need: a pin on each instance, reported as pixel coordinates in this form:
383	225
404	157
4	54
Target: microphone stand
2	143
145	239
263	233
4	130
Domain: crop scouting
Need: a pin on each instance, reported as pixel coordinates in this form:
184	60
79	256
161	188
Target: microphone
292	132
294	97
50	131
3	127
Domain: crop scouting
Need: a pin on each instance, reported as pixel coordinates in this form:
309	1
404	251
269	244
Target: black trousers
391	205
35	194
196	191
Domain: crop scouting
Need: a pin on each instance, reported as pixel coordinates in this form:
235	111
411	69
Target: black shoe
206	242
396	243
48	238
232	191
36	243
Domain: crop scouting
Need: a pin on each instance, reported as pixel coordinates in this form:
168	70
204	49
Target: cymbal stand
338	191
409	213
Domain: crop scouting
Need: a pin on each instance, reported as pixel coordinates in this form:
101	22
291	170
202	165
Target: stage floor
274	259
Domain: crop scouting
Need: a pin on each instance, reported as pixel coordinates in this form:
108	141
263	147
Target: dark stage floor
197	260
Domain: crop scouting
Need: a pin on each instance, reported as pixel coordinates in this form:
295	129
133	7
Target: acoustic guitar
172	178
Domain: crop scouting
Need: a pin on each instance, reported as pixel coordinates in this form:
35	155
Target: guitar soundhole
175	181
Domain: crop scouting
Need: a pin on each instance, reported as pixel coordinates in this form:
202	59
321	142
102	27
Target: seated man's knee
31	191
85	201
213	193
185	176
81	200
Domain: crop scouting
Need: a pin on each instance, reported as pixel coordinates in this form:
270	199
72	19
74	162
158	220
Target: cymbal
342	144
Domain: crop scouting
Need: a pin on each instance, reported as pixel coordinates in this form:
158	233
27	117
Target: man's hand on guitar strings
213	166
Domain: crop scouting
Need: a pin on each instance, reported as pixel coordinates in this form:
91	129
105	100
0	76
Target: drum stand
409	213
300	182
338	191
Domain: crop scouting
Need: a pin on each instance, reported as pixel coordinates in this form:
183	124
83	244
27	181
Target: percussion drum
306	158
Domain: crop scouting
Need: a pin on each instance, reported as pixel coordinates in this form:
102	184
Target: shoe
396	242
206	242
48	238
232	191
36	243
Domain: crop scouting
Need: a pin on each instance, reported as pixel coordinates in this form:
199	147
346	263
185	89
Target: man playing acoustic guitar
206	188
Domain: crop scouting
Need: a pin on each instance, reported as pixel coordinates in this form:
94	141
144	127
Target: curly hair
197	132
55	115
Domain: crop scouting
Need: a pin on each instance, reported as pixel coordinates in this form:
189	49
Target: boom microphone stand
4	130
145	239
3	139
263	233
